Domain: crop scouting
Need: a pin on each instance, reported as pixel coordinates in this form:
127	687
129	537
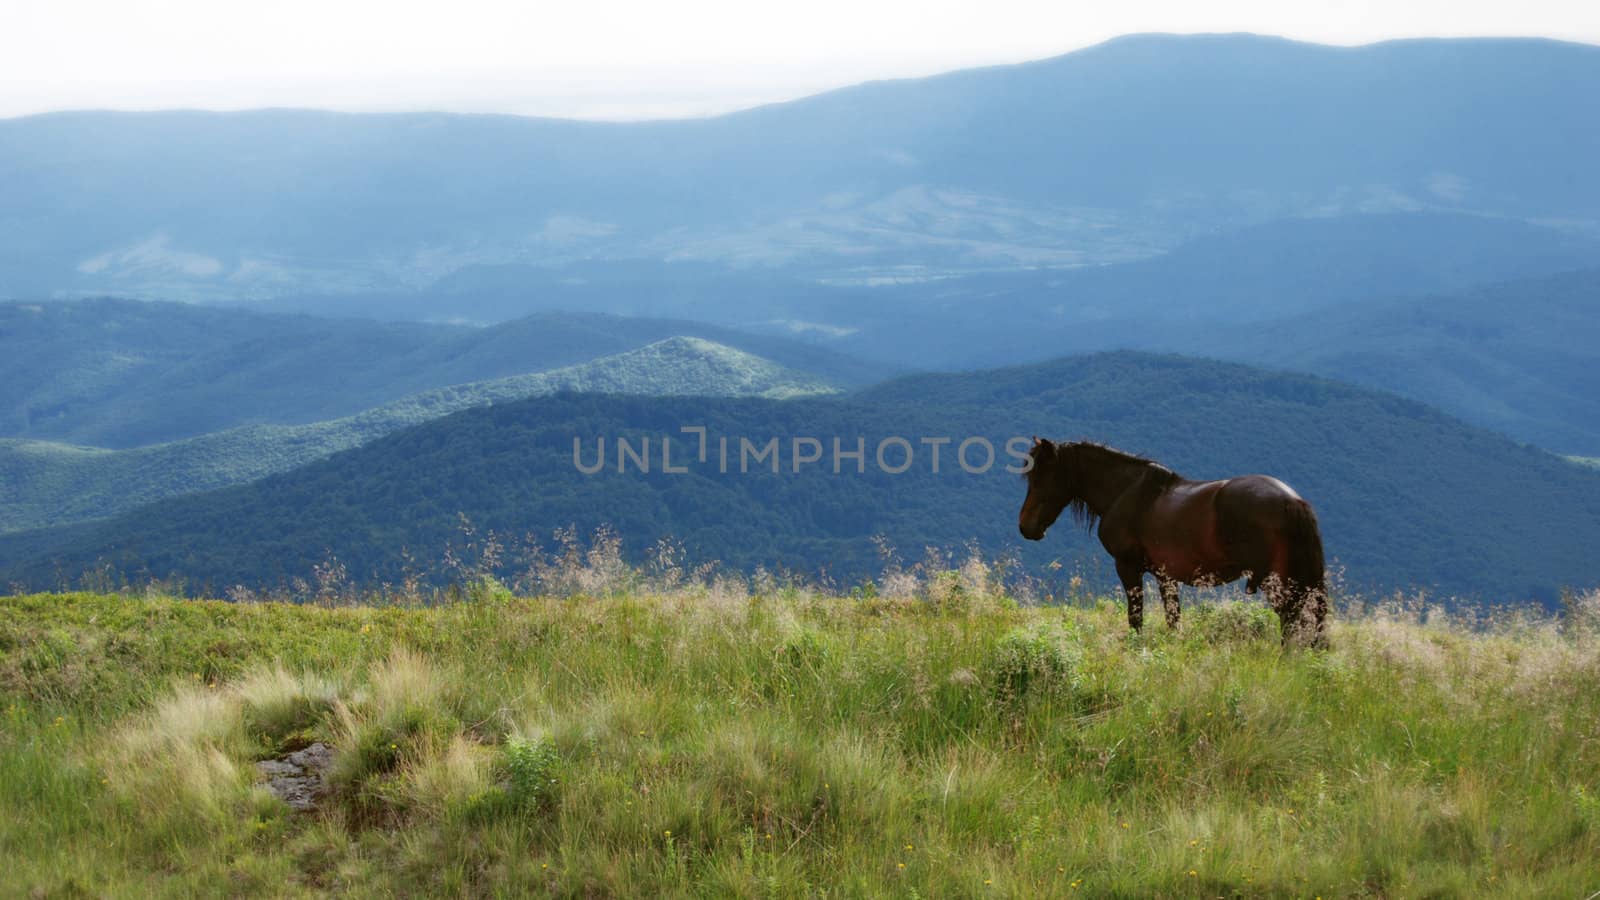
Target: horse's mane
1102	453
1098	455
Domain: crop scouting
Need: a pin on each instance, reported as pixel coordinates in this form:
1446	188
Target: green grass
714	741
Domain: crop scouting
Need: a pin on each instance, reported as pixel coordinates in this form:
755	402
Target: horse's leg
1169	601
1131	573
1318	602
1312	618
1290	602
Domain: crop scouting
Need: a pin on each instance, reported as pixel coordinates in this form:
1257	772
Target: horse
1152	520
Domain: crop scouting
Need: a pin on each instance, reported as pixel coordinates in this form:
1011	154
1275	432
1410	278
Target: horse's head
1051	486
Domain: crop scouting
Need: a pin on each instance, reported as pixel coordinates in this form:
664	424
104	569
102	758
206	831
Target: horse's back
1264	487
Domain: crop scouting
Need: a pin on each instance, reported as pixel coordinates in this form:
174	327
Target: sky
624	59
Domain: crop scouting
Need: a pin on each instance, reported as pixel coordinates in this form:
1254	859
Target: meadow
681	734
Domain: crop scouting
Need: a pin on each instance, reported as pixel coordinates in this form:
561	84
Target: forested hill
1407	496
125	373
44	484
1521	357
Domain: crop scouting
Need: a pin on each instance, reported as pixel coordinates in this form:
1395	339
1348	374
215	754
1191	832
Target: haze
620	60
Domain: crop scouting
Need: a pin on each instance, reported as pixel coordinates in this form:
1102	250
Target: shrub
1231	623
531	767
1034	660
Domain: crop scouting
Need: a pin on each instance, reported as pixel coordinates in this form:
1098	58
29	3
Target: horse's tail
1307	575
1306	565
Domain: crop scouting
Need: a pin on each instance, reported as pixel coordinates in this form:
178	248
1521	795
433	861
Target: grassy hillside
43	484
122	373
732	740
1407	497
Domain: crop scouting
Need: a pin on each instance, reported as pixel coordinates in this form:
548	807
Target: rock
317	757
296	778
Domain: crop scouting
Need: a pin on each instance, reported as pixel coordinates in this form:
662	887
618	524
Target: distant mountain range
1112	153
1260	272
1420	217
1520	356
118	373
1407	496
45	484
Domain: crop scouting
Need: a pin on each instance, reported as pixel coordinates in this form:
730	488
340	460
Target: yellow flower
988	881
1193	873
909	847
1124	824
902	865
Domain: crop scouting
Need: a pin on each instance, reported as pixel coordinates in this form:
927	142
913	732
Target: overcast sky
623	59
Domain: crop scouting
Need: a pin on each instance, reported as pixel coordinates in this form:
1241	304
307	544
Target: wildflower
1124	824
1194	874
1194	843
367	628
988	881
909	847
902	865
544	865
667	833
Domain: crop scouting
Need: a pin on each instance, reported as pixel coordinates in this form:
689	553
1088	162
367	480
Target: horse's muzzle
1032	534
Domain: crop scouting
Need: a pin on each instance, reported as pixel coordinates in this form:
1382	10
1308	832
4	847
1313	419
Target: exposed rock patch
296	778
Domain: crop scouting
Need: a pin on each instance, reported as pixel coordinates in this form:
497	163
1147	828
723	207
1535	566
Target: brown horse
1194	532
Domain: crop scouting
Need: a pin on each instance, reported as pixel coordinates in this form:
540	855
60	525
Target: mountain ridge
1113	152
126	373
44	484
1408	497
